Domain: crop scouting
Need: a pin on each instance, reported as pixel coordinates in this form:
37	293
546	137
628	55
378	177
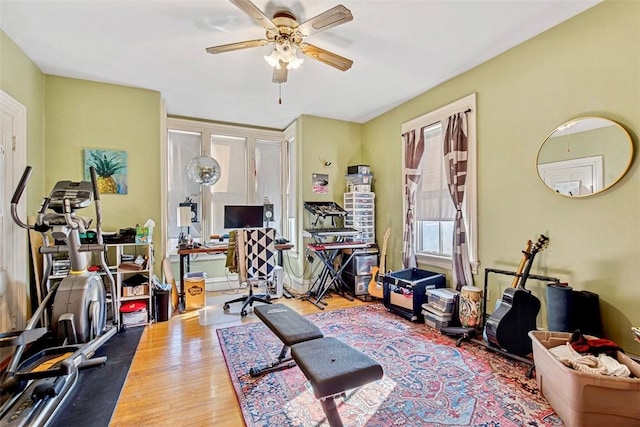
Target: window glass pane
182	147
231	189
447	237
429	236
292	204
268	177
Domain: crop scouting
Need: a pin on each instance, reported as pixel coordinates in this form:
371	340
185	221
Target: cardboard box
583	399
194	293
134	291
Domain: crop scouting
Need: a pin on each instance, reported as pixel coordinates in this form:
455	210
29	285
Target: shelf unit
128	291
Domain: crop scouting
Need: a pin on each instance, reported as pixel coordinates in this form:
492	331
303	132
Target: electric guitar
509	325
373	289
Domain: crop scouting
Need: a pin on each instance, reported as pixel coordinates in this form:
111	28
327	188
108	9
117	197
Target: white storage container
136	318
434	317
442	299
360	208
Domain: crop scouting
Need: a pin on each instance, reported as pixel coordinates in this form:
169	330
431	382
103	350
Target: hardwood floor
178	375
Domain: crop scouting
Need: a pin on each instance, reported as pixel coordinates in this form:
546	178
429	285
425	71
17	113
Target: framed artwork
320	183
111	170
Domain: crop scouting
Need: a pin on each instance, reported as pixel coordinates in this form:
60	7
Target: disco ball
204	170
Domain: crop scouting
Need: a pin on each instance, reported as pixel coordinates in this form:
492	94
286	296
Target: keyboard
316	247
329	232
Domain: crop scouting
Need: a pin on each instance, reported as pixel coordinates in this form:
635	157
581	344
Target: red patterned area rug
428	381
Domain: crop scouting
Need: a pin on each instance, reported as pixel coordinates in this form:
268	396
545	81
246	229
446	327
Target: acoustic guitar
373	289
514	284
509	325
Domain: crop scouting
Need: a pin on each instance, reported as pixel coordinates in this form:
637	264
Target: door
575	177
13	239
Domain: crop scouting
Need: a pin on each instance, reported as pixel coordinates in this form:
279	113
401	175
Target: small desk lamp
184	220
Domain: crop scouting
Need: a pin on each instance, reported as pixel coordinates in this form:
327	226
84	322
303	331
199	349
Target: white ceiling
400	49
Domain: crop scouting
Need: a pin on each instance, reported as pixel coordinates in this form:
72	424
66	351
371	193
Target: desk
217	249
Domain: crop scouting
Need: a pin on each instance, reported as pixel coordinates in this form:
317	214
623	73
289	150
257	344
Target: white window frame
470	207
251	135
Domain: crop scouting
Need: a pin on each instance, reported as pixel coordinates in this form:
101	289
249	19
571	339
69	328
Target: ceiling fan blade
236	46
280	75
329	58
332	17
252	10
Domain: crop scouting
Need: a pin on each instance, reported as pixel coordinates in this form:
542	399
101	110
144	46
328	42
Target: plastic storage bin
442	299
435	318
582	399
404	291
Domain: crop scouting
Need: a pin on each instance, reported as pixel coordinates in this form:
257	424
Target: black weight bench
331	366
290	327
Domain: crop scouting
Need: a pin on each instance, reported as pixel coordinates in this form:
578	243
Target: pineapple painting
111	170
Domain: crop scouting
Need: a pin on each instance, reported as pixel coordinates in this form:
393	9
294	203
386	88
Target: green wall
83	114
23	81
587	66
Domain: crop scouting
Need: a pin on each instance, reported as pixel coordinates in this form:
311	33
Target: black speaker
586	313
194	212
268	212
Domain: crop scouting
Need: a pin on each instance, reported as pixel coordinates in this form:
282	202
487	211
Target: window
434	211
253	169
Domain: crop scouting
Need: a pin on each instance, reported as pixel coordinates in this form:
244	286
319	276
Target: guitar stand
461	332
469	334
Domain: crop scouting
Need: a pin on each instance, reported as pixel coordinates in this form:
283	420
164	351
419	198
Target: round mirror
584	156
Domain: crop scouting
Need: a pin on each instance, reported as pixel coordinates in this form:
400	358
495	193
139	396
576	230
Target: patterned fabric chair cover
259	252
256	261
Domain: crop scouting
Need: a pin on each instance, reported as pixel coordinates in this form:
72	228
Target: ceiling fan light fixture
295	61
285	53
273	59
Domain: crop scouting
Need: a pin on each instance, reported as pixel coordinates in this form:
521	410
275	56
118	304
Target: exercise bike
71	318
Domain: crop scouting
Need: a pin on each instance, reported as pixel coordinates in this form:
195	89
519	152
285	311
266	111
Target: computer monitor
243	216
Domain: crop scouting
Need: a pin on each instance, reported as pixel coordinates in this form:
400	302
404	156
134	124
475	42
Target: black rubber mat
93	399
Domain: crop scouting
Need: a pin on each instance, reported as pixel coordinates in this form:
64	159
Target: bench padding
287	324
332	366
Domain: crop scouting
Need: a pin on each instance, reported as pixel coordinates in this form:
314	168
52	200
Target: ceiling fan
287	36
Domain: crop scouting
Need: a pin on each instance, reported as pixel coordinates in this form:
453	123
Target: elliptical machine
72	313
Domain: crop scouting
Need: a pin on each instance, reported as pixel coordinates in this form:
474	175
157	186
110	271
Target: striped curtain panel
413	151
455	159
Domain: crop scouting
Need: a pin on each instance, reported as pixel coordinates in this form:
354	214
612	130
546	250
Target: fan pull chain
279	93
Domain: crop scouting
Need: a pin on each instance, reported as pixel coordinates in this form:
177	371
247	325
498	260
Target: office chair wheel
243	313
225	307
